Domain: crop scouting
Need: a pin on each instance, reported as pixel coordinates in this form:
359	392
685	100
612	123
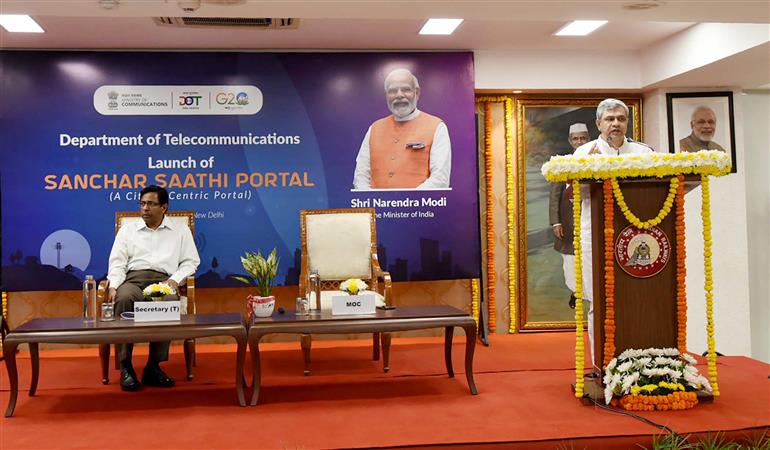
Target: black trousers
128	293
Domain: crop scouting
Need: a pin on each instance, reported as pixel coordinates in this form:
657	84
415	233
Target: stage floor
524	401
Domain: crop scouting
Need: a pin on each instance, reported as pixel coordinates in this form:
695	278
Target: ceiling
372	24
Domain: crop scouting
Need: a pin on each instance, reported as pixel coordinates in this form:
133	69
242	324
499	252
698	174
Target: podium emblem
642	253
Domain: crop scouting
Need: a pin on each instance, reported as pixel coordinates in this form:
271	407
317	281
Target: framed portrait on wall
548	126
701	121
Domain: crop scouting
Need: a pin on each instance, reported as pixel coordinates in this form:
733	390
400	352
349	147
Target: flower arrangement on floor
353	286
654	378
157	291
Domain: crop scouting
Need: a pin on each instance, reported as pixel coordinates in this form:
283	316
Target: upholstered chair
338	244
186	290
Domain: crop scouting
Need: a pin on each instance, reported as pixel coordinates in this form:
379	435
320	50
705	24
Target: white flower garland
598	167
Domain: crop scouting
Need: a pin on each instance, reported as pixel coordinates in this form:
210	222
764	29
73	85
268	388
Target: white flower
628	382
630	353
656	365
687	357
625	366
642	362
608	394
565	167
670	352
663	361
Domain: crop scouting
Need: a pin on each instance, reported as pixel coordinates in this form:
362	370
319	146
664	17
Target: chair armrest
378	273
102	290
189	290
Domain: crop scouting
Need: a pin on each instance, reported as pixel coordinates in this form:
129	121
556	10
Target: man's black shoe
153	375
128	381
572	301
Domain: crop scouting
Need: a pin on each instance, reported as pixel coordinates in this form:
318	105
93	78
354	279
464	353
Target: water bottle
89	299
314	282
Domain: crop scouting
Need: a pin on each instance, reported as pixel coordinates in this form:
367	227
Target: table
399	319
74	330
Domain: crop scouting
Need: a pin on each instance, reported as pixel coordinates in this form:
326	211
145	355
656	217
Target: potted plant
262	273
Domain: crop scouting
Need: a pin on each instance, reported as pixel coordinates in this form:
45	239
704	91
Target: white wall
756	132
530	69
699	46
730	241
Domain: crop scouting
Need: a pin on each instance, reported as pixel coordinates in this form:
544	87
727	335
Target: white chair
186	290
338	244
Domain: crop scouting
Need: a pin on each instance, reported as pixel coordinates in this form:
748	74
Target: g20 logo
229	98
190	100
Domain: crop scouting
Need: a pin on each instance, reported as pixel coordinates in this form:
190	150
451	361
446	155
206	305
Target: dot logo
190	100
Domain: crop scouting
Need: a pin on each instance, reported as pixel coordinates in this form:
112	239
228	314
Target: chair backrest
337	243
124	217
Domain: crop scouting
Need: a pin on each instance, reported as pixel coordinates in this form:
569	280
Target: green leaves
262	270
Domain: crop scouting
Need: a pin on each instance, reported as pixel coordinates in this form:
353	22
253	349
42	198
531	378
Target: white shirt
440	158
169	249
627	148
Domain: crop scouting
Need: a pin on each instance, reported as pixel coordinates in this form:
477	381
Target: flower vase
258	306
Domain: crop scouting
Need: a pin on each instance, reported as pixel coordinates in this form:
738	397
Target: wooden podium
644	302
645	308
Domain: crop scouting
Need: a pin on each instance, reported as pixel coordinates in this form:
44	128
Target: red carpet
524	400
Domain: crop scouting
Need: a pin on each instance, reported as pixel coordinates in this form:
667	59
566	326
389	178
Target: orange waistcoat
393	165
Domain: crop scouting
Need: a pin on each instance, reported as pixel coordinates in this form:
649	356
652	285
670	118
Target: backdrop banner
245	140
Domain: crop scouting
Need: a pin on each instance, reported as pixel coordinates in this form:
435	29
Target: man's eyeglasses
148	204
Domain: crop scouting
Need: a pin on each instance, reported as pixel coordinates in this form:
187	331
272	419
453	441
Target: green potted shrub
262	272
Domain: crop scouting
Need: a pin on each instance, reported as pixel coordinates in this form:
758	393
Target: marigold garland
510	206
475	300
5	312
490	223
509	158
609	273
681	271
674	401
631	217
579	345
709	283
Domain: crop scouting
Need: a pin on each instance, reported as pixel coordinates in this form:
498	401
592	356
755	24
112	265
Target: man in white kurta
612	121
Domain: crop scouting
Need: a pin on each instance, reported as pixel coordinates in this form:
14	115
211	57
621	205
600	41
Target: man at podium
612	122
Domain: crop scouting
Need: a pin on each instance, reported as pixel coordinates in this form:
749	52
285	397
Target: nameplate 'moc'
353	304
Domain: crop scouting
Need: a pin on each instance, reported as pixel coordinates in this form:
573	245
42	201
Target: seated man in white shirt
150	252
